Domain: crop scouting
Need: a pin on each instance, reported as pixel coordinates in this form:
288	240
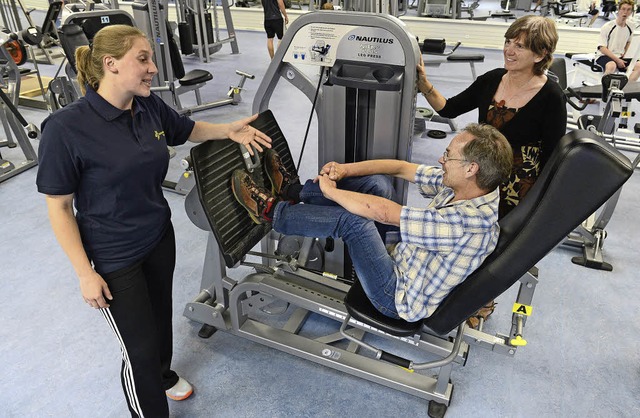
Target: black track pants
140	316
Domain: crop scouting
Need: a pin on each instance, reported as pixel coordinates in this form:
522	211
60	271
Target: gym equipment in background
199	28
590	236
13	122
172	80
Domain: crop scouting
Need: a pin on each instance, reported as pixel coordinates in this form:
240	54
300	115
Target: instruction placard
321	44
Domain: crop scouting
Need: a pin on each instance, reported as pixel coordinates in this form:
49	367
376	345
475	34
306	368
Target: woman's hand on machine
423	84
334	170
242	133
95	290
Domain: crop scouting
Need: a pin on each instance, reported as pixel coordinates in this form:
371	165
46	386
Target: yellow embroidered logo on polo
158	134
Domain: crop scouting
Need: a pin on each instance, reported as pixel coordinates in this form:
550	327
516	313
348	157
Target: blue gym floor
59	359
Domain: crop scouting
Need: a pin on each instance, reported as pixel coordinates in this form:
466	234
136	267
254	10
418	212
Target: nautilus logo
370	39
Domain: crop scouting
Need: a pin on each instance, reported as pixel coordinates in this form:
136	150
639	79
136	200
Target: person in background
274	11
520	101
106	154
591	8
615	39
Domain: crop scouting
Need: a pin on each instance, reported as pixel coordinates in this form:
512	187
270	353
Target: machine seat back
71	37
213	163
91	22
583	172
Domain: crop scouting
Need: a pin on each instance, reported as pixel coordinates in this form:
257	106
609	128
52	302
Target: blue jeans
321	217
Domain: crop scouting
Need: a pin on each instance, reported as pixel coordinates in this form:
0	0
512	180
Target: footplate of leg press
213	164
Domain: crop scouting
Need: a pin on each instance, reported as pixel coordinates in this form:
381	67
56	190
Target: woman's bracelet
430	90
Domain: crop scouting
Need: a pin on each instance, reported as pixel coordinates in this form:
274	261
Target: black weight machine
199	29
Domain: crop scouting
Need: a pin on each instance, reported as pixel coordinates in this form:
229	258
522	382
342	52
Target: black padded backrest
49	23
583	172
91	25
213	164
174	54
71	37
558	70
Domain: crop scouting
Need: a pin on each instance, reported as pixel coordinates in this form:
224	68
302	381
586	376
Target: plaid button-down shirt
440	244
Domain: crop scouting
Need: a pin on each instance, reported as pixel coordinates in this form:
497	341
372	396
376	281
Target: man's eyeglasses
445	158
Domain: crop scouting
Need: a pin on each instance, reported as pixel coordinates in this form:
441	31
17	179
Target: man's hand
326	185
335	171
242	133
94	290
620	63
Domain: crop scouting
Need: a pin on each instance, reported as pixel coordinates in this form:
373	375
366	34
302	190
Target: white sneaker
180	391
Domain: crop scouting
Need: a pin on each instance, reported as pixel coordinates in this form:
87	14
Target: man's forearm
606	51
396	168
371	207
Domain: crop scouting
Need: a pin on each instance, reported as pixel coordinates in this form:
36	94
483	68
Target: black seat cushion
195	77
361	309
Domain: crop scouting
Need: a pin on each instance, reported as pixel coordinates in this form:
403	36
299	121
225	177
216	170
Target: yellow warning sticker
522	309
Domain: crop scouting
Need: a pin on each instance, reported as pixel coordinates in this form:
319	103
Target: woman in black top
519	100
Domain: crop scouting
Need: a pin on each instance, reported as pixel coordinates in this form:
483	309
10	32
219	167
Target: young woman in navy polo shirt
108	153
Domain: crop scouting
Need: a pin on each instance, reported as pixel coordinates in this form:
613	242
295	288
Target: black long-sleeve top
541	122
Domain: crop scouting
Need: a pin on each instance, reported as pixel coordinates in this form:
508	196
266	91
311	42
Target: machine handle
251	162
32	131
572	93
392	358
368	77
245	75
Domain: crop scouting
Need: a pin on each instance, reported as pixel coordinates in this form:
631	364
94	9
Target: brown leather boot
256	200
280	177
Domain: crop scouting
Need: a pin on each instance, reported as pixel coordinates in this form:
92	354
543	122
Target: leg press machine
274	305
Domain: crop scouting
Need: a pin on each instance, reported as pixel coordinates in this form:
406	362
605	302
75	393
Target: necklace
518	91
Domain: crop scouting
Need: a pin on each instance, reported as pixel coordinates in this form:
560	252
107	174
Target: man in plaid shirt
440	244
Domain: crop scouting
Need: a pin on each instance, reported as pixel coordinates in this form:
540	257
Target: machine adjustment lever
518	341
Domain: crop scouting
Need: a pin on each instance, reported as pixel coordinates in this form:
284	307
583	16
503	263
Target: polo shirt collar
105	109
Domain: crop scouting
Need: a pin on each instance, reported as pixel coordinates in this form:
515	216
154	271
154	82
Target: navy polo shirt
113	162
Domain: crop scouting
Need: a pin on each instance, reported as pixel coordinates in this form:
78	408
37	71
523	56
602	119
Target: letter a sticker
522	309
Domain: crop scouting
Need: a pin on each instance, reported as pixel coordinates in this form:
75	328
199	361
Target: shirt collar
105	109
488	198
491	197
